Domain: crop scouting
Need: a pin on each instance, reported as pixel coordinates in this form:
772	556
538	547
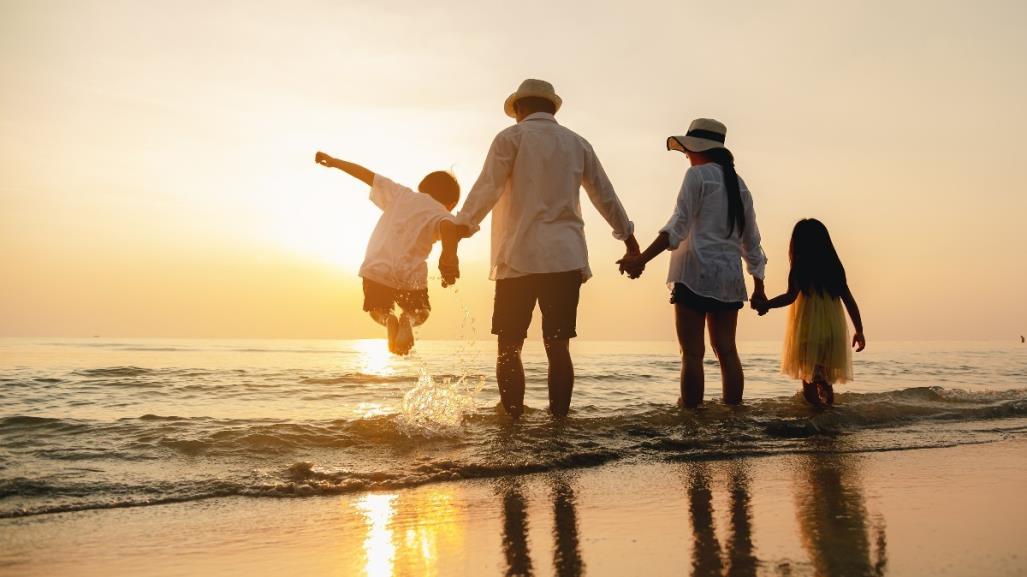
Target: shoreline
955	510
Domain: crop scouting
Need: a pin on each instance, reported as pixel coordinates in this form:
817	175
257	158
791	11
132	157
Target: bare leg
826	393
405	333
561	376
381	316
510	375
417	316
385	318
810	393
690	324
722	325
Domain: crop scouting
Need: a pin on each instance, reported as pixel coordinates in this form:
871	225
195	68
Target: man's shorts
380	297
557	297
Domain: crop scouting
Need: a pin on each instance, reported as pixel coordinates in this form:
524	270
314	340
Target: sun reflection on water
412	533
378	546
375	357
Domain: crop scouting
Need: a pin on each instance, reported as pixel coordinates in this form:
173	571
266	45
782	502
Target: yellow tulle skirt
817	340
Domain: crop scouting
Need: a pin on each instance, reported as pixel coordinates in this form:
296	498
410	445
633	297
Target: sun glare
375	357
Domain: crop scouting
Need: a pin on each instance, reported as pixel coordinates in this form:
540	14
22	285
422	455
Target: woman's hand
859	341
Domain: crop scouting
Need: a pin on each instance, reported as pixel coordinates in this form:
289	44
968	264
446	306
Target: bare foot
392	324
404	336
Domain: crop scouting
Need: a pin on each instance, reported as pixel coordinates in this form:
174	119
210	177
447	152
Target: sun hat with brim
528	88
703	134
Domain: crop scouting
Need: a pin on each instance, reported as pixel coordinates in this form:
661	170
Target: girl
816	348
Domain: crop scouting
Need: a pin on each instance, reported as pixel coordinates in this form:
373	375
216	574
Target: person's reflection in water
566	551
515	530
833	518
707	556
705	548
741	561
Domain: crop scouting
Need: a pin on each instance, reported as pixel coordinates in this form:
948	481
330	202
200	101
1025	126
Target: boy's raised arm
350	168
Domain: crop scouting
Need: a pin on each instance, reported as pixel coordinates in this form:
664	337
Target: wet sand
952	511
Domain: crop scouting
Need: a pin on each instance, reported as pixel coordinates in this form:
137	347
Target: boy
394	269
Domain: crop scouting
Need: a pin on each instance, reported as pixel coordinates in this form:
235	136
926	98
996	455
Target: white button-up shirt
531	182
706	259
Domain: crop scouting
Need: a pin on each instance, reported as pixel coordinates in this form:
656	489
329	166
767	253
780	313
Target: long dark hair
735	212
816	267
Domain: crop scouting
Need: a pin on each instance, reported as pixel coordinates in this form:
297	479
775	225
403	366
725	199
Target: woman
712	228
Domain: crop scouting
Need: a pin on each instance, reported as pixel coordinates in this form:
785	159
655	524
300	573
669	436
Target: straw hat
531	87
703	134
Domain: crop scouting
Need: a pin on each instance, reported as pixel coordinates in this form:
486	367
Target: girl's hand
859	341
322	158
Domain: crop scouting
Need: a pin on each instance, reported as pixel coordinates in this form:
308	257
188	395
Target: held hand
859	341
632	264
759	303
322	159
449	268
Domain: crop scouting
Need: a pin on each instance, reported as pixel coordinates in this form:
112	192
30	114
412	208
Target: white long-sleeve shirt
531	182
706	259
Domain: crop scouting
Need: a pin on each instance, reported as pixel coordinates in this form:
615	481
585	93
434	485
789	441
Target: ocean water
101	423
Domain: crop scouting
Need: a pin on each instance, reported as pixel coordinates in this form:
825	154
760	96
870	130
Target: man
531	183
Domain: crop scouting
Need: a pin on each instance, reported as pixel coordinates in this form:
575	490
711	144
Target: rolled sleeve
604	198
490	184
752	249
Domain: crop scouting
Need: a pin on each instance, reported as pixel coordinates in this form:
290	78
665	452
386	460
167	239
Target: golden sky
156	172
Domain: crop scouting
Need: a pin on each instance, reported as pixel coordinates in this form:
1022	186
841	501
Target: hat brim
692	144
508	106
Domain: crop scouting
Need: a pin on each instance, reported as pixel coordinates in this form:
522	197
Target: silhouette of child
394	268
816	347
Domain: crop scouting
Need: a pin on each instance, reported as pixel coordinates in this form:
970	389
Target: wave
278	458
114	372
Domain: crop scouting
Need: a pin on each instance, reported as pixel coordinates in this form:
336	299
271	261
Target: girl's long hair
816	267
735	212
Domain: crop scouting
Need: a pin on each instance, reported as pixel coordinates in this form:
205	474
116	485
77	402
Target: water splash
438	408
435	408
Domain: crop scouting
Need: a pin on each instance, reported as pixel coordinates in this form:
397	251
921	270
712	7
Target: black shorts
557	297
380	297
682	295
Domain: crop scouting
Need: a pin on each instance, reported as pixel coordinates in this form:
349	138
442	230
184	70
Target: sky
157	174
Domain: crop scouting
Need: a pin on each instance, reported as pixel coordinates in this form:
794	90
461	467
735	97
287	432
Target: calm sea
99	423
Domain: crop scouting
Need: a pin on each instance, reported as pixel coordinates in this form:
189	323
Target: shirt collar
540	116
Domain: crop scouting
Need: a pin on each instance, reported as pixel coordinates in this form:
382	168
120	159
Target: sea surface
102	423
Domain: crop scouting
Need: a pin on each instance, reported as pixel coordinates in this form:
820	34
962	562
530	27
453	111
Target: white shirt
705	258
531	182
403	237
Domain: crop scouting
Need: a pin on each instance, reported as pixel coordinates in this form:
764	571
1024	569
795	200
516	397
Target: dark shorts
557	297
380	297
682	295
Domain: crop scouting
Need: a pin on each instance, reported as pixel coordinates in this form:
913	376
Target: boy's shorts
380	297
557	296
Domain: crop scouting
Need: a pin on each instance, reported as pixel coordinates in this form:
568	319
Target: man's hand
633	264
859	341
449	264
323	159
